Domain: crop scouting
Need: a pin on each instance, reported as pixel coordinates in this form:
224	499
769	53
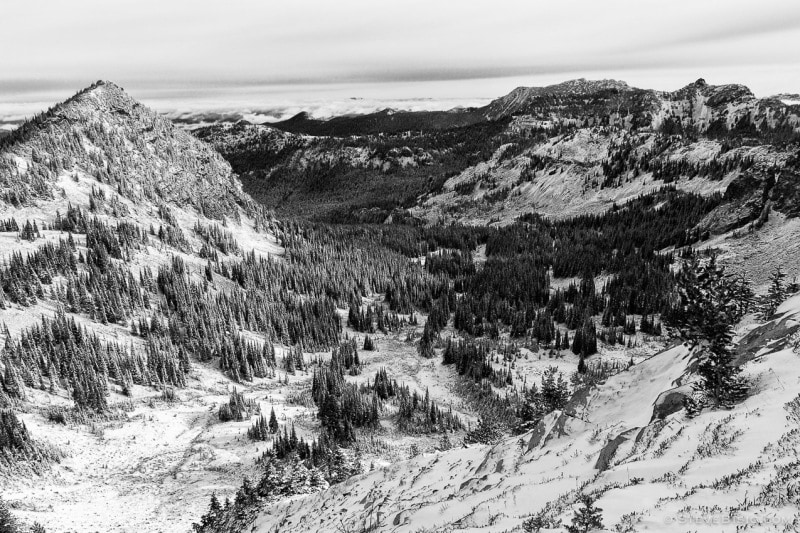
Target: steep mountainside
571	99
613	103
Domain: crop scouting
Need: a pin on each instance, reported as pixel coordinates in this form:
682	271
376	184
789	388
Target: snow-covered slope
150	463
651	469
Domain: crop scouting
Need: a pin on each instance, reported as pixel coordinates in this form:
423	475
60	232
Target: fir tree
587	518
776	294
8	524
273	421
709	307
369	344
487	432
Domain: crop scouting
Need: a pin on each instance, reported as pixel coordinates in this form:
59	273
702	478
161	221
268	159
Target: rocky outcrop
607	453
786	192
670	401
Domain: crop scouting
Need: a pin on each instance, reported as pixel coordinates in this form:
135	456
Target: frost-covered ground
722	471
154	466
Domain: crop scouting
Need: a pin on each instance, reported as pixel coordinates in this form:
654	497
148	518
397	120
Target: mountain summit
615	103
104	133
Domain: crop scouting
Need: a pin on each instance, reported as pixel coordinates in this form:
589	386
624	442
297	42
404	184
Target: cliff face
697	106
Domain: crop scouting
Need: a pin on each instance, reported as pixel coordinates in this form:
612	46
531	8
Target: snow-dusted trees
538	402
8	524
778	291
486	432
262	429
369	344
237	407
16	444
710	303
587	518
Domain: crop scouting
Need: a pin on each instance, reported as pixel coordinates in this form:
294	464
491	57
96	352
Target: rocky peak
105	134
716	95
584	86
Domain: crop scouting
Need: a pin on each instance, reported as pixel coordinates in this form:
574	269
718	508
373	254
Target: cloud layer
189	48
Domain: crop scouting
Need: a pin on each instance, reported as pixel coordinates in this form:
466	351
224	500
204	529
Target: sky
274	58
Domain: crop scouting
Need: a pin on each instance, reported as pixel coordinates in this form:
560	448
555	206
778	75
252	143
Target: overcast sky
212	51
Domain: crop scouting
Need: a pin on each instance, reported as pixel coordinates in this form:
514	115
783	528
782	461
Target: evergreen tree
709	307
776	294
8	524
369	344
273	421
587	518
487	432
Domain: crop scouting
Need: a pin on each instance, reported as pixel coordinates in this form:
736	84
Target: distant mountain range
559	150
606	102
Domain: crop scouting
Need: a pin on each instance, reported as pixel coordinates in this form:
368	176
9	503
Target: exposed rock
771	337
608	451
786	193
670	402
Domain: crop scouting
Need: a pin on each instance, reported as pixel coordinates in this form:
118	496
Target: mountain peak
582	85
716	95
520	99
105	134
104	96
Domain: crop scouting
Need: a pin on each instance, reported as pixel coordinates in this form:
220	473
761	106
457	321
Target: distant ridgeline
605	134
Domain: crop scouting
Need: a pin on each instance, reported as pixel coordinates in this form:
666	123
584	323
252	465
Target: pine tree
776	294
8	524
587	518
582	365
369	344
487	432
708	309
273	422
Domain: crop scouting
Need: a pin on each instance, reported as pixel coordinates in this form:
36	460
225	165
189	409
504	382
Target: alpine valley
573	309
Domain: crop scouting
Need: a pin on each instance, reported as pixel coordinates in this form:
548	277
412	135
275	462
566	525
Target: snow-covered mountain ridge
103	132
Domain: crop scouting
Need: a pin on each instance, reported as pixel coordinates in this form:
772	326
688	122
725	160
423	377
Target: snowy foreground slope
734	470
